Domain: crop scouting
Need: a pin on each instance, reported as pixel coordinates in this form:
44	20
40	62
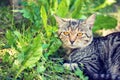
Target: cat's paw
115	77
70	66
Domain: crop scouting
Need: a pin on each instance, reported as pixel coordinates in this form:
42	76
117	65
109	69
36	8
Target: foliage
79	73
5	17
35	39
103	21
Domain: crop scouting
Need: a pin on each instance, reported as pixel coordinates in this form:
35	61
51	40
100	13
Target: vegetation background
29	46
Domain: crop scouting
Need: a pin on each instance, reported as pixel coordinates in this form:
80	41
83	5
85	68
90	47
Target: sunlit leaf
63	8
109	2
31	55
18	34
40	68
44	19
78	5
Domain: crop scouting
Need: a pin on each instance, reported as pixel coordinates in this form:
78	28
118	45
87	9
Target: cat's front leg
95	76
115	77
70	66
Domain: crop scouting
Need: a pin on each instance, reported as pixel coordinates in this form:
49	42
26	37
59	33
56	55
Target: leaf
59	68
56	43
40	68
104	22
44	16
26	13
45	46
32	54
10	37
30	59
63	8
77	8
6	57
44	19
55	5
20	57
49	30
18	34
79	73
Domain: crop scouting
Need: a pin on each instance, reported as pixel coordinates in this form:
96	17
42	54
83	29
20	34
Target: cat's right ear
59	20
91	20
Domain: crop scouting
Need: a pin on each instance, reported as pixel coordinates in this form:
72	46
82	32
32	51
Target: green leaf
59	68
20	57
26	13
104	22
77	8
30	59
32	54
56	43
79	73
63	8
6	57
55	5
18	34
49	30
40	68
44	16
10	37
44	19
45	46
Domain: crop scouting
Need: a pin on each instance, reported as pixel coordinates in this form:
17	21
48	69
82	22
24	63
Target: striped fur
101	59
100	56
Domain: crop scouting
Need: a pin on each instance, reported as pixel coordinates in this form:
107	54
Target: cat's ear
91	20
59	20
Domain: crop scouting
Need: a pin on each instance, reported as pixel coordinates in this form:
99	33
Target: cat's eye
66	33
79	34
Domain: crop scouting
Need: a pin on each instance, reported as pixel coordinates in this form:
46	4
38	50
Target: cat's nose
71	42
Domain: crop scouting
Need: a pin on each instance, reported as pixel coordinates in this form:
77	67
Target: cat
99	56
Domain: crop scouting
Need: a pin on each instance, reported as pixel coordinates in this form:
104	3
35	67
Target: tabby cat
100	56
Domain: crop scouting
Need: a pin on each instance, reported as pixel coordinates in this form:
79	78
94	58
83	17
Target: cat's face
75	33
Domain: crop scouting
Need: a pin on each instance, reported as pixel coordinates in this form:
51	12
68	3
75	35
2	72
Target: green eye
66	33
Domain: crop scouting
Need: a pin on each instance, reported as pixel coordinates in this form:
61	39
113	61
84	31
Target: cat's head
75	33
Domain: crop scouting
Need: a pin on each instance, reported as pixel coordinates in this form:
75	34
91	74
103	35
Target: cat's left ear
59	20
91	20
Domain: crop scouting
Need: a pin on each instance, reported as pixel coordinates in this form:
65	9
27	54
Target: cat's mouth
72	46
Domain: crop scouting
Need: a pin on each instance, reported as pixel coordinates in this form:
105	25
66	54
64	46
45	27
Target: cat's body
100	56
101	59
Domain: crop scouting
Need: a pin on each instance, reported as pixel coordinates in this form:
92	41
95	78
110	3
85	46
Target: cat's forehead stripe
73	24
